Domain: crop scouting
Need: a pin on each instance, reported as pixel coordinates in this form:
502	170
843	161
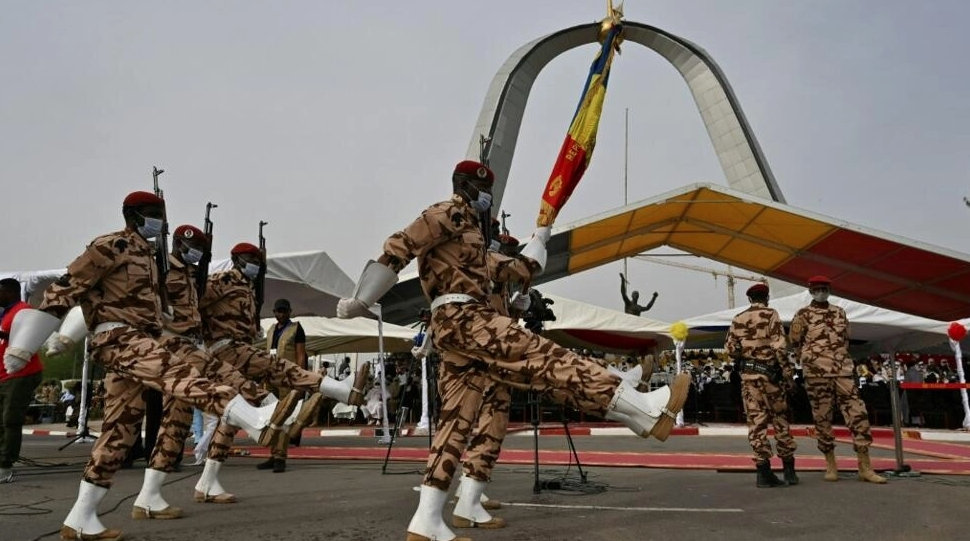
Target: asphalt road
353	501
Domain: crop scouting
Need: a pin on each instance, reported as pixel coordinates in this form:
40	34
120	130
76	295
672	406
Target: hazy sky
339	122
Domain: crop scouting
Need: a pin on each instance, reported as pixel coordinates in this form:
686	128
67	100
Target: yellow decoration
679	331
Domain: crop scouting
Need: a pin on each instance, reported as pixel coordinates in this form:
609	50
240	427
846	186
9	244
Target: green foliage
66	365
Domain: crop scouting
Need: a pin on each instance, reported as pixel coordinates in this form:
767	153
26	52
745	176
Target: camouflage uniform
820	334
756	334
114	281
228	309
474	338
495	400
183	338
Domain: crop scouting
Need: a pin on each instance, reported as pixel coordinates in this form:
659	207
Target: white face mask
251	270
820	296
483	203
151	228
192	256
494	245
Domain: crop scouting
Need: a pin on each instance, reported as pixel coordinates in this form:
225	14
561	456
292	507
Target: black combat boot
789	468
267	464
767	478
279	465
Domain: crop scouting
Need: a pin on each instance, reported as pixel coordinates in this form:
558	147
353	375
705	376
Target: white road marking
612	508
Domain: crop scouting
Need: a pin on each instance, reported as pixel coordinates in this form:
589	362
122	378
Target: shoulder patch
121	245
457	219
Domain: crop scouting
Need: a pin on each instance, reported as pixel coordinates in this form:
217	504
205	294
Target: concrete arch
741	158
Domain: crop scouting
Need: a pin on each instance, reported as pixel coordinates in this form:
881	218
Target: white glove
349	308
418	352
57	344
543	233
520	301
13	364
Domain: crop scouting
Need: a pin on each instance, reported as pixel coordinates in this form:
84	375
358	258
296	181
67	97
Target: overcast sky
339	122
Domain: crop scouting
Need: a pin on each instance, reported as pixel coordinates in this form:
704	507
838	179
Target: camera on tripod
538	312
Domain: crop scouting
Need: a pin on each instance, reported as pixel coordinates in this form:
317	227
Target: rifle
505	230
485	217
202	272
261	277
161	245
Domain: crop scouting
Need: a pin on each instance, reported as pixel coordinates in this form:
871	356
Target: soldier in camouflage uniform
756	341
456	271
492	421
820	337
228	310
182	336
115	282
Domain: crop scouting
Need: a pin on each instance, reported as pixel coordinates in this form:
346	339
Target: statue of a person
630	304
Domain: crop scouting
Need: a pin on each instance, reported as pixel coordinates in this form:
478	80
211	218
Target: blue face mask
251	270
192	256
483	203
151	228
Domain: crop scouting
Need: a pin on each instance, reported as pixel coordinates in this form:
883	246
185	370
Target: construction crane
731	276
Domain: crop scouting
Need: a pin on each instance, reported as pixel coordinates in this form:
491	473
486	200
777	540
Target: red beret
758	289
245	248
475	170
143	199
191	232
508	240
819	281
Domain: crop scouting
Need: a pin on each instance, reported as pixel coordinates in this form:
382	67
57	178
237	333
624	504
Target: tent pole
386	438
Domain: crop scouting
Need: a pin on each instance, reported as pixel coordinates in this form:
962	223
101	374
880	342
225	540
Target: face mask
151	228
495	246
192	256
483	203
820	296
251	270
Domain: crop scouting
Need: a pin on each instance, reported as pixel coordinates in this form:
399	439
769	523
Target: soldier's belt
761	368
219	344
449	298
107	326
193	337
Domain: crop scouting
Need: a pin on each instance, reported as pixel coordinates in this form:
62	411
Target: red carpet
705	461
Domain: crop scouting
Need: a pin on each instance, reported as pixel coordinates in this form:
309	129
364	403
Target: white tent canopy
358	335
582	325
310	280
875	327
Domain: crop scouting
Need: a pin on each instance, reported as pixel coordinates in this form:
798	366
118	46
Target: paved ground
353	500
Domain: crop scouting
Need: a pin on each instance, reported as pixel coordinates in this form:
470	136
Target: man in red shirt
18	381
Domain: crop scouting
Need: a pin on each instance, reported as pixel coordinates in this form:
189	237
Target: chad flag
577	149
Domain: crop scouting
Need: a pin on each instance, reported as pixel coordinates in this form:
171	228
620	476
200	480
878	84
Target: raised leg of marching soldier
177	419
256	364
133	361
462	380
823	394
515	355
764	404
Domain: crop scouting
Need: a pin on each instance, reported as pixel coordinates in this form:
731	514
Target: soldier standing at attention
820	336
756	341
